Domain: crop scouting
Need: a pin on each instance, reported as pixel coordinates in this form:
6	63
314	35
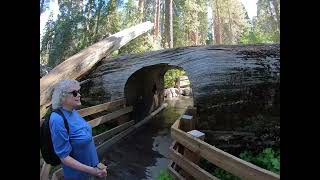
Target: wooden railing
106	139
116	109
198	148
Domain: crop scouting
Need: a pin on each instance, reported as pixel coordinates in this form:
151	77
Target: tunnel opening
178	92
148	88
177	83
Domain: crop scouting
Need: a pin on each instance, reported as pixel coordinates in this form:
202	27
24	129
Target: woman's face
73	97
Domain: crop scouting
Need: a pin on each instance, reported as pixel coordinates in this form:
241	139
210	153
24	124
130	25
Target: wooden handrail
102	147
110	116
101	107
187	165
95	122
226	161
112	105
100	138
146	119
127	127
173	172
109	136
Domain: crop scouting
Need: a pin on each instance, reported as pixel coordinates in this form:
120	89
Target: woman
76	150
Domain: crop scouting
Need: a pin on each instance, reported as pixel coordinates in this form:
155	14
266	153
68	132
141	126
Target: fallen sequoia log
234	87
212	70
79	64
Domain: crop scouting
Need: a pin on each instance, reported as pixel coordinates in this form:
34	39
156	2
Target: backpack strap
58	111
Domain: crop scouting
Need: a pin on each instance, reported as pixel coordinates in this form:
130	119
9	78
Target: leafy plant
170	77
267	159
224	175
164	175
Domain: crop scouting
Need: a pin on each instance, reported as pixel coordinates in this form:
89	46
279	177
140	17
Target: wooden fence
188	146
104	140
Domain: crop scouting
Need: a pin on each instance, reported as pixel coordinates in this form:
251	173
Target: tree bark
230	27
158	16
79	64
169	24
216	22
162	22
276	5
157	19
227	98
196	34
88	22
98	19
141	8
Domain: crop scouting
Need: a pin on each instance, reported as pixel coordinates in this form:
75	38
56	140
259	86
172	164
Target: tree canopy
177	23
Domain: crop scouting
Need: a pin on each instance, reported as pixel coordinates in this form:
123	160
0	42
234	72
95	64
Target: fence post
186	123
193	156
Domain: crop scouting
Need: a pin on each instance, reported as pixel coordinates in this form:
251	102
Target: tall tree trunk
216	22
196	38
276	5
212	29
272	17
98	19
230	27
157	19
169	23
88	36
155	15
170	41
162	20
141	8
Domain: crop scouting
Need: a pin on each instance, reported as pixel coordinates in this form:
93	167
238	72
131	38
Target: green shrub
164	175
224	175
171	75
267	159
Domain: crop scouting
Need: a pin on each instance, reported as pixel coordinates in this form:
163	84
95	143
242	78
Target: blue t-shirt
78	143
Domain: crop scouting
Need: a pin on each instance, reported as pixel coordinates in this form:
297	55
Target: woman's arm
71	162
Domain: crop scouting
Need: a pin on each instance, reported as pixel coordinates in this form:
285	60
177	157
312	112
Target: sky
250	5
54	8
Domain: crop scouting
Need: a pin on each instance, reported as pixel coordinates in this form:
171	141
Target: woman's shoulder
56	119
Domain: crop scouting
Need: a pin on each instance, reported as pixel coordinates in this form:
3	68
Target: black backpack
46	145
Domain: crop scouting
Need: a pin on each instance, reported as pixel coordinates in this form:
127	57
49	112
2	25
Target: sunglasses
74	93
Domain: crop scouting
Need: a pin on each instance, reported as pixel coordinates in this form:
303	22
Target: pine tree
265	28
168	23
229	21
130	18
